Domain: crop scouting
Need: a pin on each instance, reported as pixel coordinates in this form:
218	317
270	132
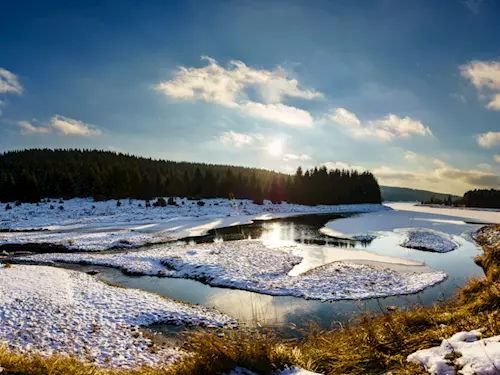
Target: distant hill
398	194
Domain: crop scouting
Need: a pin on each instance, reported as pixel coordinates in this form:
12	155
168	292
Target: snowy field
254	266
465	351
51	310
92	226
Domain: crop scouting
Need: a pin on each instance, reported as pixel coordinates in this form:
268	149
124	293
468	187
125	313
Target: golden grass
376	344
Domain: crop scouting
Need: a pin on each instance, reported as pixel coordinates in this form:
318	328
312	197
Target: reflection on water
253	308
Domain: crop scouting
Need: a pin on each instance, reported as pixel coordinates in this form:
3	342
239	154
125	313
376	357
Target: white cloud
489	139
458	97
384	129
343	117
69	126
238	139
27	128
494	103
9	83
216	84
410	155
482	74
485	76
485	167
302	157
496	158
280	113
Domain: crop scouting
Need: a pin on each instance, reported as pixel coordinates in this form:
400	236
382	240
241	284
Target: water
289	313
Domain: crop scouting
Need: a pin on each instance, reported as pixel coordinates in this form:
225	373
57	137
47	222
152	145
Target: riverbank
84	225
378	343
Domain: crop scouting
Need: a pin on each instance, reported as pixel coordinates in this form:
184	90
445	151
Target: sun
275	148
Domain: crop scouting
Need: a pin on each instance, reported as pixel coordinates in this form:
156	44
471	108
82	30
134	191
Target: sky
409	90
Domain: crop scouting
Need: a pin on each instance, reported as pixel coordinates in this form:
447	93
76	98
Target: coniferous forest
482	198
30	175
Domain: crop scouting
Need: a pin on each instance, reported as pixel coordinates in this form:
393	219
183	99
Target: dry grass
376	344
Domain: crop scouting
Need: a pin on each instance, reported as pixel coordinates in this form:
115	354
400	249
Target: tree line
482	198
29	175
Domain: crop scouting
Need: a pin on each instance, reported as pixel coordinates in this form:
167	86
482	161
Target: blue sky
407	89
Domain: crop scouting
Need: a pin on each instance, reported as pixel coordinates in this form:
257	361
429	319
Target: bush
118	203
200	203
171	201
259	202
61	201
147	204
8	207
61	208
18	203
160	202
93	207
51	207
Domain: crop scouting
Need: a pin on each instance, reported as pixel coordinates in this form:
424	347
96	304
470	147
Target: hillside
30	175
400	194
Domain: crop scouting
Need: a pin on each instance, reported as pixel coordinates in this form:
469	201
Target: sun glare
275	148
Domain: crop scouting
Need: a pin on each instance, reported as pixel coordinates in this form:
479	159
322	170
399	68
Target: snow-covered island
253	265
428	240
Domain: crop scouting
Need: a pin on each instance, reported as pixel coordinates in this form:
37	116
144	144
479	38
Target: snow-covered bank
465	350
437	230
86	225
48	310
251	265
428	240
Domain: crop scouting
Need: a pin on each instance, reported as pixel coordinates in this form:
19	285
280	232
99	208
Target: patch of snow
288	371
428	240
48	310
364	237
474	356
251	265
87	225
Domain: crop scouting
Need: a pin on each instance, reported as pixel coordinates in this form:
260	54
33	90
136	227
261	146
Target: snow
429	240
477	215
48	310
423	228
288	371
254	266
88	225
472	355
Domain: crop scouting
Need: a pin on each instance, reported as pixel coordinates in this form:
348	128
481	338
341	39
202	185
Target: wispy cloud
485	76
410	155
384	129
9	82
496	158
216	84
61	125
489	139
303	157
239	139
458	97
280	113
69	126
28	128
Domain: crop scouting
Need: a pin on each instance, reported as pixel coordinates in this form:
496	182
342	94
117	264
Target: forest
29	175
482	198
